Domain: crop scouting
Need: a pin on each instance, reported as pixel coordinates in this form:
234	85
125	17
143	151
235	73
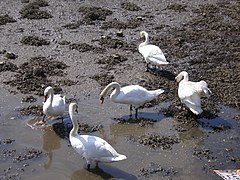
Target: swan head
46	92
143	34
73	107
101	99
182	75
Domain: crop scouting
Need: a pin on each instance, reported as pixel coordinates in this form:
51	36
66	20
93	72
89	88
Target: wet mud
156	141
33	10
4	19
161	172
205	44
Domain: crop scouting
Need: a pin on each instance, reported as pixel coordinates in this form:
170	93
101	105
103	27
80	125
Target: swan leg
43	119
88	166
136	113
147	70
131	110
97	164
155	67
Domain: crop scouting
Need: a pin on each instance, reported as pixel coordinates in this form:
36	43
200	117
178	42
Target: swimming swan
190	92
53	105
151	53
92	148
134	95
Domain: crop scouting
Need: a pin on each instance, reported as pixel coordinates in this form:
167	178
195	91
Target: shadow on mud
217	125
104	171
150	117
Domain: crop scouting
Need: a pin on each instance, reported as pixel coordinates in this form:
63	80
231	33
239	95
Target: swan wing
133	94
58	100
98	149
153	54
193	103
150	50
187	89
189	95
57	108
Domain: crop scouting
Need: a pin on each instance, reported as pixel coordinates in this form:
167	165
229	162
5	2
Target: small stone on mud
119	33
10	55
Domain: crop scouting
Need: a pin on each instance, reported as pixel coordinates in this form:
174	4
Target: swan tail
158	92
195	109
158	60
120	157
204	88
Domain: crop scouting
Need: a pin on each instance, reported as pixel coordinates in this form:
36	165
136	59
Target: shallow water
60	161
45	153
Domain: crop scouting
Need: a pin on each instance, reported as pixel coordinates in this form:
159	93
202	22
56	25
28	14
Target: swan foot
88	166
38	123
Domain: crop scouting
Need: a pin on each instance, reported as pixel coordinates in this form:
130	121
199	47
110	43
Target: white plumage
190	92
133	95
54	105
151	53
92	148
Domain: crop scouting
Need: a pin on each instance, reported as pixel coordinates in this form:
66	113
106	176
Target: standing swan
151	53
53	105
190	92
92	148
134	95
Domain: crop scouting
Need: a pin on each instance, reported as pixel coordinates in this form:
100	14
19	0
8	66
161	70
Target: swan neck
146	39
108	87
74	131
185	77
51	96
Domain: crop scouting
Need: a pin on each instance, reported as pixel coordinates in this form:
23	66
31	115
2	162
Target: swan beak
101	99
45	98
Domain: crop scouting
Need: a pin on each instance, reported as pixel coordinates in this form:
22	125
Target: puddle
72	60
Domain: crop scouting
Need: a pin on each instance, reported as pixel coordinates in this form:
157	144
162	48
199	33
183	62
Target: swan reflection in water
104	171
51	142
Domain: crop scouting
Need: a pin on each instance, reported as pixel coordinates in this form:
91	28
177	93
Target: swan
190	92
92	148
151	53
134	95
53	105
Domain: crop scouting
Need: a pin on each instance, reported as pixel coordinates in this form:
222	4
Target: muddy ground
78	47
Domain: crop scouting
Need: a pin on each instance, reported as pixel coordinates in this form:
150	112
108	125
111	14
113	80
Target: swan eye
76	108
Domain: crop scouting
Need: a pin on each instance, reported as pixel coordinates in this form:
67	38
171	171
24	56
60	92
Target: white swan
53	105
134	95
151	53
92	148
190	92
